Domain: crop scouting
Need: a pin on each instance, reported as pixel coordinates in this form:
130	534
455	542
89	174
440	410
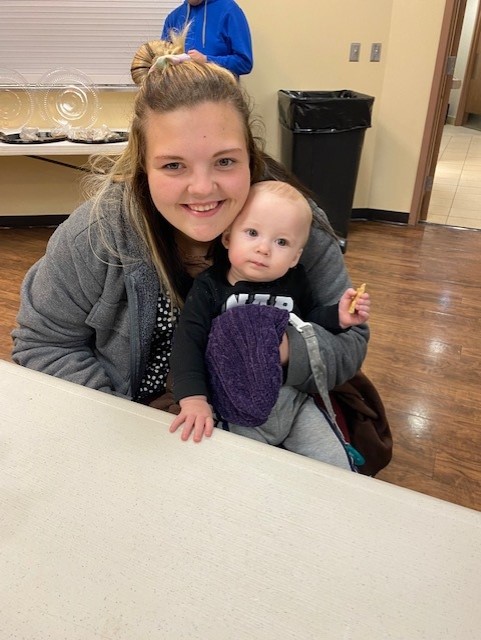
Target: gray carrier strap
317	365
319	372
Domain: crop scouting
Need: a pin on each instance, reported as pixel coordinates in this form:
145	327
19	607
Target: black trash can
322	133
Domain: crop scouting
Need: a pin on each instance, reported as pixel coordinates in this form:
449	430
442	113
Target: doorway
467	109
449	173
456	192
454	11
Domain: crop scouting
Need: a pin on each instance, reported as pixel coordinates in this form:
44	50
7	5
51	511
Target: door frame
437	109
461	115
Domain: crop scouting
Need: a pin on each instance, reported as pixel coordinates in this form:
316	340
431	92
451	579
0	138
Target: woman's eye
225	162
172	166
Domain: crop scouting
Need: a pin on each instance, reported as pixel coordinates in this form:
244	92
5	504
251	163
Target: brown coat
364	418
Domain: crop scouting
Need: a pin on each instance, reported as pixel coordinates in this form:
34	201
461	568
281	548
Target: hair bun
144	58
146	54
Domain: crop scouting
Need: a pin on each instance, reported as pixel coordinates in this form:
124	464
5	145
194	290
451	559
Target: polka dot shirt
153	381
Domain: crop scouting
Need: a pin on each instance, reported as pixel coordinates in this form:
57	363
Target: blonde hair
162	89
287	192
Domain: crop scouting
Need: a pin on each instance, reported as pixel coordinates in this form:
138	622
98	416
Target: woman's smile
206	209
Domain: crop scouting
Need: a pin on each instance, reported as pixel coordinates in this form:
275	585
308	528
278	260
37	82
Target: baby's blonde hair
287	192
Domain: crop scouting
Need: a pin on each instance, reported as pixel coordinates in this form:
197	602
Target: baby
264	245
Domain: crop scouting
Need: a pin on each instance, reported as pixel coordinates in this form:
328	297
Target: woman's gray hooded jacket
87	314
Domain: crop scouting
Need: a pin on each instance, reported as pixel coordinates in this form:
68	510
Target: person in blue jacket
218	33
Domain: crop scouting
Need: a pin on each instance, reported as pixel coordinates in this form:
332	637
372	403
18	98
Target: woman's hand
196	416
197	56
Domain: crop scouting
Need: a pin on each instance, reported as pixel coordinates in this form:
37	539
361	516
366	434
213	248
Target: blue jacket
219	29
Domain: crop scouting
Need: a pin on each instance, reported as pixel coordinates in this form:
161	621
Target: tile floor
456	195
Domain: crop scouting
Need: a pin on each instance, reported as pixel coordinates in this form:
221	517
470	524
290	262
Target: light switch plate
354	51
375	52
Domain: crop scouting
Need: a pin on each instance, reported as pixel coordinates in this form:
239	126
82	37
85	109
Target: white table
63	148
112	528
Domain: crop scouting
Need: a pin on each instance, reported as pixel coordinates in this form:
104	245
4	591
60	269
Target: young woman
100	308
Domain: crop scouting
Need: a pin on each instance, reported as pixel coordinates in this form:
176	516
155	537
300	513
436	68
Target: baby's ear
225	239
297	258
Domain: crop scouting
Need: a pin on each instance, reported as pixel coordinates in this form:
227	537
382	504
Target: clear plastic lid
69	98
16	100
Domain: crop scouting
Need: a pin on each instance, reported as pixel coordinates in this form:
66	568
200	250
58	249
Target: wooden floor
425	349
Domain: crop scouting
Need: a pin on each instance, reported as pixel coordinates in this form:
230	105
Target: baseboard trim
380	215
21	222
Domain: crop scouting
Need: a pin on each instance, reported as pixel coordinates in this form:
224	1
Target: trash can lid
324	111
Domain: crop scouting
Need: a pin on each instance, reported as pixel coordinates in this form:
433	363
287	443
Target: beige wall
305	45
413	43
302	45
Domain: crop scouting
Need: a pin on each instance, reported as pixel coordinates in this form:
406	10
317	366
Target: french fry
359	291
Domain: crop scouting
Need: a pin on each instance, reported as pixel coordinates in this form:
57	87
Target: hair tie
161	61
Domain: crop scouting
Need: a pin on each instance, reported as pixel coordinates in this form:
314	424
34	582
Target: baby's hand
196	416
361	310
